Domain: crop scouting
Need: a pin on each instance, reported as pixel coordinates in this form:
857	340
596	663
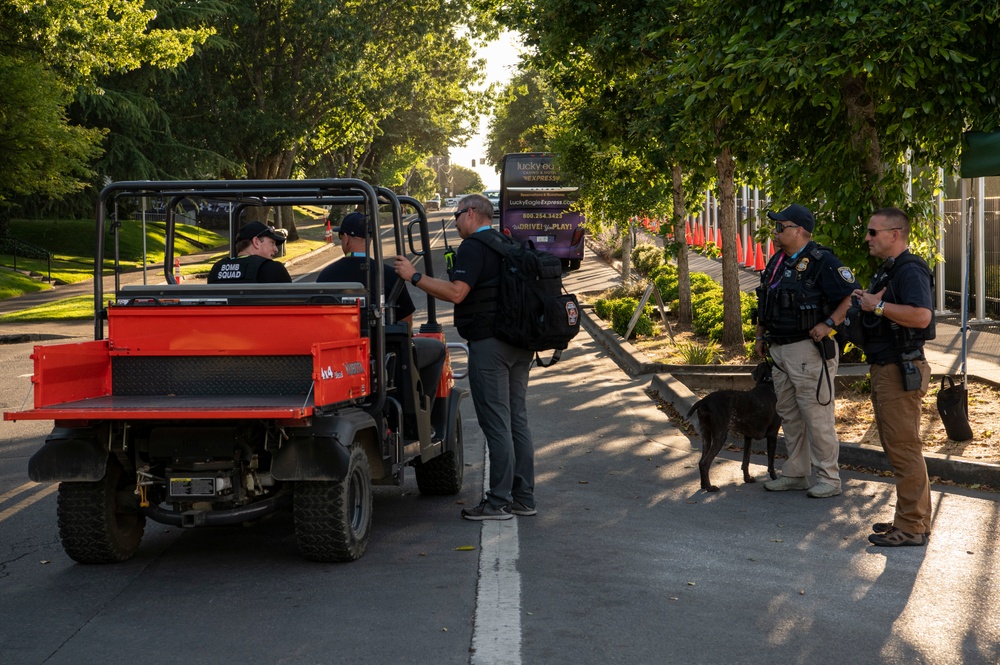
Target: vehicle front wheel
99	522
333	518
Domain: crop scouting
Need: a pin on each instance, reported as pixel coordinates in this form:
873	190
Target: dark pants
498	376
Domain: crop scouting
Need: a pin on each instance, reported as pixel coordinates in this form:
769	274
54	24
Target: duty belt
779	340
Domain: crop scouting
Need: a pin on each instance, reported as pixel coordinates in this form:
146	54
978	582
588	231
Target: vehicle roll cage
243	194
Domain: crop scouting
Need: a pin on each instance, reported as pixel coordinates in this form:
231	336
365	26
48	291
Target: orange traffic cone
177	271
770	248
718	238
329	232
687	232
751	261
759	265
739	249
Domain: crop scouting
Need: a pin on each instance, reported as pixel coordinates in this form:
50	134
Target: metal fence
984	274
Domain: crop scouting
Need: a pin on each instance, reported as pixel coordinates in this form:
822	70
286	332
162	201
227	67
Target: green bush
646	258
700	283
698	354
619	312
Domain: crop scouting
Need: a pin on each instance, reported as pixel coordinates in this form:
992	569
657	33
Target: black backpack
534	312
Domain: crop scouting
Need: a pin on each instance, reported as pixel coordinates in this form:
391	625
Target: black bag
534	312
953	405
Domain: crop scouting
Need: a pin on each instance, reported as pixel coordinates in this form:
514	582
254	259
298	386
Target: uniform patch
846	274
802	265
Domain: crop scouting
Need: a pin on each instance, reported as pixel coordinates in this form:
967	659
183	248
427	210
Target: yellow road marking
24	503
17	490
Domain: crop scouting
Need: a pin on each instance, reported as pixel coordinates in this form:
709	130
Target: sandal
896	538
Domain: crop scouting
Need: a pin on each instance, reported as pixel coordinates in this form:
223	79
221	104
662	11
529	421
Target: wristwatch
830	323
880	308
416	278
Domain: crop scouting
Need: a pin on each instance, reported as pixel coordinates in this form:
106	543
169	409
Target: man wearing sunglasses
804	293
498	372
898	316
256	246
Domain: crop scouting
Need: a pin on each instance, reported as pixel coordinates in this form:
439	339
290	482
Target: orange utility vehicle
217	404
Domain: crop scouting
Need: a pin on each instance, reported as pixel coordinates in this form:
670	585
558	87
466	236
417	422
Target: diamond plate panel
211	375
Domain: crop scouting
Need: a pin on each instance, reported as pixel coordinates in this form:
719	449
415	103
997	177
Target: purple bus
535	205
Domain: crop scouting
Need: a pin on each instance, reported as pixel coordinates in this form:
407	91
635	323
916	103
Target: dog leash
825	370
819	383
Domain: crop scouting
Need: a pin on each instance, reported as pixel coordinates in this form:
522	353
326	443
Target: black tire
443	475
574	264
99	521
333	518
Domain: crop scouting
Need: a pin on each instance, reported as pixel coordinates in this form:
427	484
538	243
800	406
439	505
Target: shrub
663	270
618	312
646	258
698	354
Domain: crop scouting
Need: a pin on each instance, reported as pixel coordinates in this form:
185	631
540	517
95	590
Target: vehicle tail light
577	235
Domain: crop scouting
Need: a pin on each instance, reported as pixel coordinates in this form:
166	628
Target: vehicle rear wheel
99	522
443	475
333	518
572	264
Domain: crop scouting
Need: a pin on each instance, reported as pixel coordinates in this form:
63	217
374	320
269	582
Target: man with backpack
498	371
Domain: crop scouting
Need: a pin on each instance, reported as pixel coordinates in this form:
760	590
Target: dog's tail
694	407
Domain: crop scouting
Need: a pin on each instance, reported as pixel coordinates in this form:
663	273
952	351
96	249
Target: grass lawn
67	309
15	284
72	243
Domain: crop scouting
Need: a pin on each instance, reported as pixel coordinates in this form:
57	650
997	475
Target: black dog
750	413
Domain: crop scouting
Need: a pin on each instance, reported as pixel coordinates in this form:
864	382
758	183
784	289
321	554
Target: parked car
450	202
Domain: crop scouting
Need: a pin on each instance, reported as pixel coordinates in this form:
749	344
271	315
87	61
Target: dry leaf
465	548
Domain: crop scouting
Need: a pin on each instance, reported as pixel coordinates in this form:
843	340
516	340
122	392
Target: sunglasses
875	232
459	213
779	227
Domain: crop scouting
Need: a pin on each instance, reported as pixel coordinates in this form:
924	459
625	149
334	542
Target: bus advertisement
535	205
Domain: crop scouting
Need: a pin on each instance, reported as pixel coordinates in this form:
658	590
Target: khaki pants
808	425
897	415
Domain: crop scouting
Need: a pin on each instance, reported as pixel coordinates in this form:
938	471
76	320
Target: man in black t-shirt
351	267
898	307
256	246
498	372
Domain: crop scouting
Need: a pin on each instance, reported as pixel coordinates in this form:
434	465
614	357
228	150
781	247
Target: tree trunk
287	212
680	241
864	136
732	318
627	252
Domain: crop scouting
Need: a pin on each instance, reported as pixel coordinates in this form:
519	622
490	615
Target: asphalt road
626	562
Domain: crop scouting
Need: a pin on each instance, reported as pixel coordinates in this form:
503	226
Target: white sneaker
823	491
785	483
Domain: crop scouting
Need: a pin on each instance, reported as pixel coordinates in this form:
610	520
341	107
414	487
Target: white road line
496	635
34	498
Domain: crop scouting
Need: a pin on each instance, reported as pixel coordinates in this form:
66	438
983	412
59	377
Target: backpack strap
556	355
495	240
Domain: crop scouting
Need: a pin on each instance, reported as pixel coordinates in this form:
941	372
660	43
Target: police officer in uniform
804	293
256	246
897	318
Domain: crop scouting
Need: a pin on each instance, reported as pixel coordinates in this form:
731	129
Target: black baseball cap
252	230
795	214
353	225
